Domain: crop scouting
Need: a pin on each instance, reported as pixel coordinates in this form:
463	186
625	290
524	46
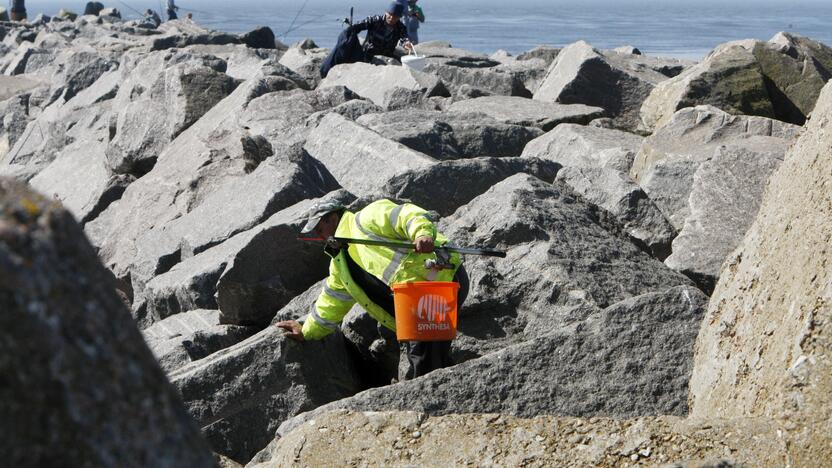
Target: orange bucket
425	310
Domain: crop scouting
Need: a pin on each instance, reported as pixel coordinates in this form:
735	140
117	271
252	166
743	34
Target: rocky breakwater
189	157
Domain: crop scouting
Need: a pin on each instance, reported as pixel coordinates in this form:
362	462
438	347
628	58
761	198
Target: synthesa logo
432	308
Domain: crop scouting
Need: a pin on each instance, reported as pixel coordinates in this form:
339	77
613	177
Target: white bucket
413	61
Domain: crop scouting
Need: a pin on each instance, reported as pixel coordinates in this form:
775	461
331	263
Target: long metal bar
407	245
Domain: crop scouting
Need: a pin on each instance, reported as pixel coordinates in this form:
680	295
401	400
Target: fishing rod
409	246
295	18
141	15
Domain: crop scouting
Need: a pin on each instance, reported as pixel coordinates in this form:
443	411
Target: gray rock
80	386
261	37
25	54
14	85
352	110
780	79
197	161
180	34
360	159
668	184
247	277
306	62
632	359
580	146
278	182
527	112
283	118
614	191
79	178
491	80
240	395
546	53
183	338
373	82
443	52
691	137
451	136
531	72
179	97
729	78
583	75
52	130
438	186
80	70
724	199
562	252
15	112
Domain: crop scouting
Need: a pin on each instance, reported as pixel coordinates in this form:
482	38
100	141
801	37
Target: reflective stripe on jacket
381	220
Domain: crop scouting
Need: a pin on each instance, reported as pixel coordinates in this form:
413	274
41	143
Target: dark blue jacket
381	38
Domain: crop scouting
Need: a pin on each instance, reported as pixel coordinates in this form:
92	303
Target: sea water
685	29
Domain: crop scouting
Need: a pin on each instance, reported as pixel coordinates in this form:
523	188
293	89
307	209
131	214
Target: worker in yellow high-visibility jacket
364	273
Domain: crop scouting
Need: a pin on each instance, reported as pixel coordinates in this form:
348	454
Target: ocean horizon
682	29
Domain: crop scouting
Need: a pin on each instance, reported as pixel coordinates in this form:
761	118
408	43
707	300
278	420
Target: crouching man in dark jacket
384	33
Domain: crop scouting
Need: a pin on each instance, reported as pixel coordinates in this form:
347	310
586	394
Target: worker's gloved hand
424	244
294	330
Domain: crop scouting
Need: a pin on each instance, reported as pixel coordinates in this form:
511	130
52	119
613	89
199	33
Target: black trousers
423	356
347	50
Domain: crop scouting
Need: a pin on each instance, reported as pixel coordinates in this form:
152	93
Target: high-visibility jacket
381	220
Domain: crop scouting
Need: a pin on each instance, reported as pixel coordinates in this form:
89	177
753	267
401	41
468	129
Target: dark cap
317	212
396	9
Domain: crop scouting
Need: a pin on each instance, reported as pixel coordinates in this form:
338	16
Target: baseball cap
317	212
396	9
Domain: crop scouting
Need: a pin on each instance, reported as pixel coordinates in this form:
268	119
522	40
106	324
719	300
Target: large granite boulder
15	111
181	95
377	83
80	179
724	199
409	438
360	159
213	151
191	336
667	160
780	79
527	112
451	136
797	69
583	146
615	192
51	131
14	85
247	277
278	182
764	344
240	395
306	62
437	188
566	259
632	359
618	83
490	80
80	386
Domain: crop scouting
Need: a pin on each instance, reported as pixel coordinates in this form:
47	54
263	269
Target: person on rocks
18	11
152	17
384	33
172	8
414	16
364	273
